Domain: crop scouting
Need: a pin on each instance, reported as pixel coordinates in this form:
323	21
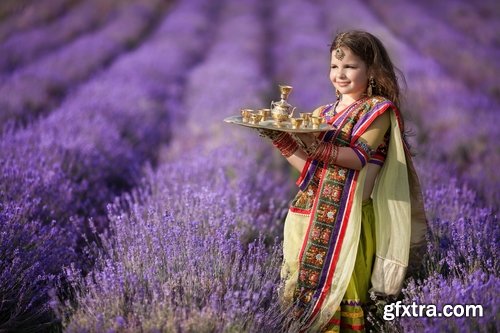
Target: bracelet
334	154
322	152
327	153
285	144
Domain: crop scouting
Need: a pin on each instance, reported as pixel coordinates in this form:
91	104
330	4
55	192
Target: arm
354	157
298	160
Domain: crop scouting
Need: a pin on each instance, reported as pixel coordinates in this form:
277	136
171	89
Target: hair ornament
339	53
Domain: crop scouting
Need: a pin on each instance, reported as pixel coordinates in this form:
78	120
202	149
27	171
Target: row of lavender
23	15
40	85
461	114
478	21
25	46
58	172
474	62
183	256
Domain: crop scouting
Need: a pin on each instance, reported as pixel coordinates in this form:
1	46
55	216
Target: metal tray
286	126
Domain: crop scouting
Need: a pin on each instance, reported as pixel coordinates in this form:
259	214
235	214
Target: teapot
281	110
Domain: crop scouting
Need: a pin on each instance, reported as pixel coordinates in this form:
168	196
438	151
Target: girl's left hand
268	133
306	138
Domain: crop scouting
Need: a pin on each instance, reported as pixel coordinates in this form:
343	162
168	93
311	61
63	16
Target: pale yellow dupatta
392	207
401	224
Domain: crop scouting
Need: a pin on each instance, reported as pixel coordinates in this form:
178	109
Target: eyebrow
347	64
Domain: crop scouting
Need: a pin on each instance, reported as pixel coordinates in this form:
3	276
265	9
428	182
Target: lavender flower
25	46
36	88
23	16
68	166
441	41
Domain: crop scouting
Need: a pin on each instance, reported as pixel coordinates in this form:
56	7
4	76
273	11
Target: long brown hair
371	50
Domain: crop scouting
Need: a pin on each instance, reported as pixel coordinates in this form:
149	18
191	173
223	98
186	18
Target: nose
340	74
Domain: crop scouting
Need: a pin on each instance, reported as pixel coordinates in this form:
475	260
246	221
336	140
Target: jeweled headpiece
339	53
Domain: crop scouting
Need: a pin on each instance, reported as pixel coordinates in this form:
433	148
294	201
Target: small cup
307	118
316	121
265	113
255	119
296	122
245	115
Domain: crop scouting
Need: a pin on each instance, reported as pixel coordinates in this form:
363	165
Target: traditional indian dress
335	246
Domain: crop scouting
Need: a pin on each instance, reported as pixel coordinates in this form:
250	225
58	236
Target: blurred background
126	204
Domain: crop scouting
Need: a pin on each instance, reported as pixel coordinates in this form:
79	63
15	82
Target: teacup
255	119
307	117
265	113
245	115
316	121
296	122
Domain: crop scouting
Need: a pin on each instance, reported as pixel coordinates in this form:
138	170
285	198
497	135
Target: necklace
332	112
349	107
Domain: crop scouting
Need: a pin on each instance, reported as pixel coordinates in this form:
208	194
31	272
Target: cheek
332	76
362	79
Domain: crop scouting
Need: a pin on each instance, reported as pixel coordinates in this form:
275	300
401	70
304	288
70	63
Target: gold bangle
334	154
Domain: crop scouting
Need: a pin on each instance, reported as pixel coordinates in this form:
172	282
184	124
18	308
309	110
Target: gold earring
337	93
371	86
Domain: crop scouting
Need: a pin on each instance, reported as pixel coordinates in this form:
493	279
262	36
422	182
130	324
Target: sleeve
369	133
381	153
363	150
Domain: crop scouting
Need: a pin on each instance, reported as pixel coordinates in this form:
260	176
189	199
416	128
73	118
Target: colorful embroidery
304	200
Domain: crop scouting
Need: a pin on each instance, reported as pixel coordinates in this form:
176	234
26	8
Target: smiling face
349	76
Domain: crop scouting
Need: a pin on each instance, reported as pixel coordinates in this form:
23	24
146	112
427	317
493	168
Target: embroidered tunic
322	228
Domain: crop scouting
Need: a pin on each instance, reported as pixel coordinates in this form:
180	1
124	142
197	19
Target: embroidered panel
328	199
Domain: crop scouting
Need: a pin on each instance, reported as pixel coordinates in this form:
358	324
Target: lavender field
128	205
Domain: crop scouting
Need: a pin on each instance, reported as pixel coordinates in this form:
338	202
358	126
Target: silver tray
285	126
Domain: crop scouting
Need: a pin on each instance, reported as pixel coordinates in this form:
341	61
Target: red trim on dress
313	209
334	321
303	172
352	327
300	210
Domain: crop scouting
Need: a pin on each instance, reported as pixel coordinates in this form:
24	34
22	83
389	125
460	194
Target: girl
359	209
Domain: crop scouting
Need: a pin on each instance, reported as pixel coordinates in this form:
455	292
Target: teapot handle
291	112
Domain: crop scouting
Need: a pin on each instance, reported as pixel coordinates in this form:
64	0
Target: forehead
349	56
